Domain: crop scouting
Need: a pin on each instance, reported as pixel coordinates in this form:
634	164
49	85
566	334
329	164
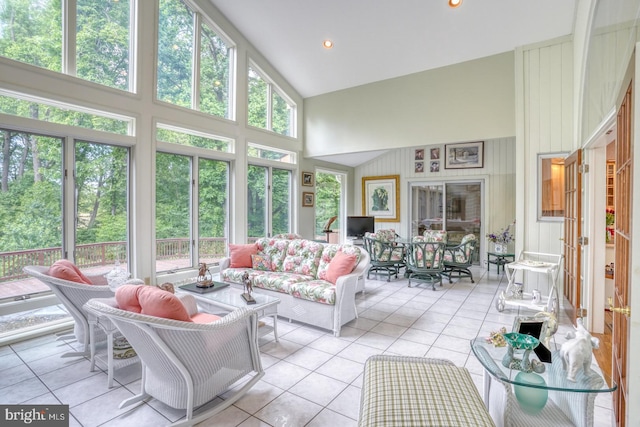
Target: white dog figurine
577	352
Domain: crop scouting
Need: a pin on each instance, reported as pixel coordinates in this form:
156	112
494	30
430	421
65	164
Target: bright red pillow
66	270
340	265
241	255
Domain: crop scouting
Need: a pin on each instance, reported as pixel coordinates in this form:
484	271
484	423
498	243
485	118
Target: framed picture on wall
419	167
381	197
435	166
308	199
435	153
419	155
464	156
307	179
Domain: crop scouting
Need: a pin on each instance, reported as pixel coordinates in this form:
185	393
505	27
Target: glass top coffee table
230	298
534	391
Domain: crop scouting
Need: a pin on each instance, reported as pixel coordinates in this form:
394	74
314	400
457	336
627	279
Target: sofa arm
224	264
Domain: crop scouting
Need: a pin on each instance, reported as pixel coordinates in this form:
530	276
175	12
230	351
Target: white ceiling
381	39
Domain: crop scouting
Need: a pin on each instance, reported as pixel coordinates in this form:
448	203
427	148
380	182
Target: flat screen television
358	225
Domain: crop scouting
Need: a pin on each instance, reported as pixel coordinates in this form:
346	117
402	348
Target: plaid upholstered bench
413	391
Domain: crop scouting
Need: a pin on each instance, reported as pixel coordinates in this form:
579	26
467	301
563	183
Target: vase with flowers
503	239
611	221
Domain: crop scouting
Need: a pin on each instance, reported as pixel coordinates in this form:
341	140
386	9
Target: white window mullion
195	214
69	200
69	24
195	90
269	106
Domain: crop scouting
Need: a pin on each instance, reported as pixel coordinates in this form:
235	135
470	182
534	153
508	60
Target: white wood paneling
498	174
546	100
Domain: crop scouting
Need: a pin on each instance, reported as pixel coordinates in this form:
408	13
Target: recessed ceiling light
327	44
455	3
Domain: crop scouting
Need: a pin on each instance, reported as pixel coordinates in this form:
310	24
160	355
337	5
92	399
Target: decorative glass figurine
519	342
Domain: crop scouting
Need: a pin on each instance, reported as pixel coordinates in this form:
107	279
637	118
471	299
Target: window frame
194	155
272	87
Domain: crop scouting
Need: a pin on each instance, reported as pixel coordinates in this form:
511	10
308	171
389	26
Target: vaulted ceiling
381	39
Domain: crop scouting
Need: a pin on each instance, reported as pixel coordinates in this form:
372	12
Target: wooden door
623	197
572	232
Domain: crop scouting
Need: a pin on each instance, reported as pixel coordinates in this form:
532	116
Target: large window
98	47
37	208
190	190
56	112
269	201
452	206
195	61
268	107
101	177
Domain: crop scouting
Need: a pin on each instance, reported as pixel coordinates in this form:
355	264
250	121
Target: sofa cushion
66	270
329	252
315	290
261	262
275	248
277	281
302	257
151	301
340	265
234	275
240	255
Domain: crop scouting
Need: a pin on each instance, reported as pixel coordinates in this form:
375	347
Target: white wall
544	102
469	101
498	174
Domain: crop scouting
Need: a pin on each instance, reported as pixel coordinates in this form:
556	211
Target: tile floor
312	378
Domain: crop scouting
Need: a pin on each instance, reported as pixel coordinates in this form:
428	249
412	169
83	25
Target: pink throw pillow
66	270
151	301
340	265
241	255
127	298
157	302
205	318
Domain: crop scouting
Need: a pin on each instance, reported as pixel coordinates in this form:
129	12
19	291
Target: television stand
355	241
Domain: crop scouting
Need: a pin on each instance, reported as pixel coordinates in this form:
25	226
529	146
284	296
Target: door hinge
583	168
583	240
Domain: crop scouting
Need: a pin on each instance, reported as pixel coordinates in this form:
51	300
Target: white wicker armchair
74	295
186	365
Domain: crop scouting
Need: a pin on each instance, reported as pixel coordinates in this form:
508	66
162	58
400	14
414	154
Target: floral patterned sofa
300	272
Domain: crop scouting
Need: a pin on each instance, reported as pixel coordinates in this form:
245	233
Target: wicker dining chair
425	262
458	258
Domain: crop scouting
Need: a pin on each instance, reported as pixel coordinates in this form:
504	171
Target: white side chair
186	365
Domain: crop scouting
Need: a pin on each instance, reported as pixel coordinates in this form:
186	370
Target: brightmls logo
35	415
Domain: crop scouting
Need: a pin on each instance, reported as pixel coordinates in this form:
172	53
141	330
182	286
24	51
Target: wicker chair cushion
66	270
204	318
240	255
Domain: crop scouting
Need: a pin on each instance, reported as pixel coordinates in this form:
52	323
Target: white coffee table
230	298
